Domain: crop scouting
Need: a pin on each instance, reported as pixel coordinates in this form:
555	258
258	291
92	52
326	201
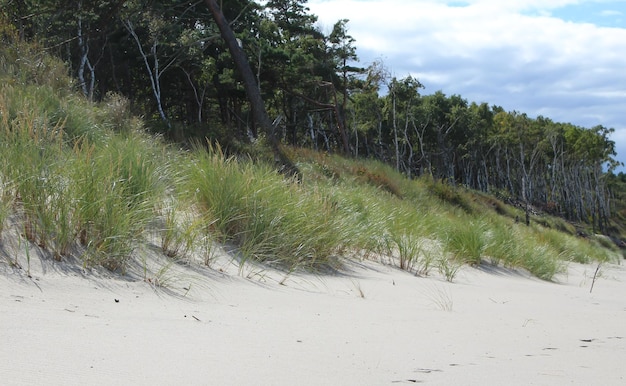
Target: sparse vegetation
441	298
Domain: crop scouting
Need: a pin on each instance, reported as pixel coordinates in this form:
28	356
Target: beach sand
371	324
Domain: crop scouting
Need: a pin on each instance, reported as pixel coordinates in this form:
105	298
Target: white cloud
510	53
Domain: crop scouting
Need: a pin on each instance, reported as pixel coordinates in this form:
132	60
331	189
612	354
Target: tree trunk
395	130
252	90
155	74
84	61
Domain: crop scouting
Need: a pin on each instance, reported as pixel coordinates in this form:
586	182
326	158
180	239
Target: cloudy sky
563	59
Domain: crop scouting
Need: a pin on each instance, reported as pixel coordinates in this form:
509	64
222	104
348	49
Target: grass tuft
268	218
466	241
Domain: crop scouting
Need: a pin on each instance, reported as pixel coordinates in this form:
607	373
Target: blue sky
563	59
604	14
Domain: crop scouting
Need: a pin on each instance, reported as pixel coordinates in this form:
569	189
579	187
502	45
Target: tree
155	69
400	106
530	151
298	67
75	30
343	52
252	90
366	116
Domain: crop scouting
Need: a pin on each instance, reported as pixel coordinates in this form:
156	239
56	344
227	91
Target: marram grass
268	218
82	178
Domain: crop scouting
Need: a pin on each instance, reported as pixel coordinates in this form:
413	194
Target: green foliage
82	179
466	241
268	218
408	247
502	243
448	268
541	263
167	62
6	205
118	188
378	179
448	193
404	237
32	155
69	179
180	232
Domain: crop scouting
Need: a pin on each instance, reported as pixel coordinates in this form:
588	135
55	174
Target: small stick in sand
594	277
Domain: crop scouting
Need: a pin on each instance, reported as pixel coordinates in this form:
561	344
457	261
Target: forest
170	60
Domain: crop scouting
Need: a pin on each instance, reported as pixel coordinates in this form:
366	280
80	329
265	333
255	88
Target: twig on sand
595	275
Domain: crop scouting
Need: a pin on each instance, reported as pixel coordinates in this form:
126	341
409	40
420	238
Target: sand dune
370	325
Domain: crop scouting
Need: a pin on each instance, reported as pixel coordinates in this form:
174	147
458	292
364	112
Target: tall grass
540	261
502	243
404	235
181	230
117	190
71	181
5	205
104	195
466	240
364	214
427	223
268	218
32	154
83	179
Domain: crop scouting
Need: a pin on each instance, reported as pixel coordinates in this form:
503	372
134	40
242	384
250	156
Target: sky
562	59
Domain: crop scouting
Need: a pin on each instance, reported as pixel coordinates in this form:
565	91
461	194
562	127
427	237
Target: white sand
496	327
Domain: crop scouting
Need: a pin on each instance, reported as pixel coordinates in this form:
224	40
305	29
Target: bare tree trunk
252	89
84	61
525	198
198	96
395	130
356	134
341	124
424	159
409	167
155	75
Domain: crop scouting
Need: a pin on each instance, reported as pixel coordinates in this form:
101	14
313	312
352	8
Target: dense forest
170	61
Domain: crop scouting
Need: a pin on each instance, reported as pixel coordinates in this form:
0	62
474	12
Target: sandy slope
374	325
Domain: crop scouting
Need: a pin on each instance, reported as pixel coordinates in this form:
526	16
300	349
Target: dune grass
84	179
101	196
117	189
466	240
181	231
268	218
71	182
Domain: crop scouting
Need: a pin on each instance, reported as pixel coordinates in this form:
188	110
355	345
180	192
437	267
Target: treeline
168	58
